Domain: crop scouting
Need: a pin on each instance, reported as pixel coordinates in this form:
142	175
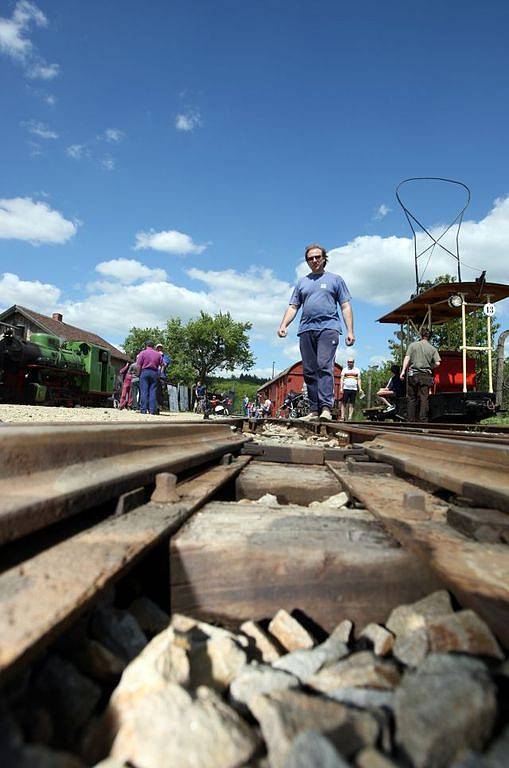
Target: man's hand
402	376
282	332
350	340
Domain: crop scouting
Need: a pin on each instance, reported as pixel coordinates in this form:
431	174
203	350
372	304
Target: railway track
85	505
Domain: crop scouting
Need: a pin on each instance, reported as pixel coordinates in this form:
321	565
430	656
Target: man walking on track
420	359
319	293
149	361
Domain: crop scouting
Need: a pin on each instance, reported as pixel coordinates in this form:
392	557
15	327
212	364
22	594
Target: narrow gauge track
363	430
82	504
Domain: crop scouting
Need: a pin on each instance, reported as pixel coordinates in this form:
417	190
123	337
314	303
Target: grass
499	419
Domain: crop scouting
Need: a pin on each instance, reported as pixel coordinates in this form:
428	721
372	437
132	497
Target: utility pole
371	370
273	367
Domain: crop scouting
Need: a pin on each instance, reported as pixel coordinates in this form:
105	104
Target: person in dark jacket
394	388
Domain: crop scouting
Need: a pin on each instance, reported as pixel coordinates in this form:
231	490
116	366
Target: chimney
57	316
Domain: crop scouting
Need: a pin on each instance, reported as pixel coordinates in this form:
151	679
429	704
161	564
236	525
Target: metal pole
490	369
464	348
273	368
369	387
500	367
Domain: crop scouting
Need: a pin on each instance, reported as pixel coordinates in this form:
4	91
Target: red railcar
291	378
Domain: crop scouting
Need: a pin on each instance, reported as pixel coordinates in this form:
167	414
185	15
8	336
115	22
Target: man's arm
347	312
288	316
360	382
405	366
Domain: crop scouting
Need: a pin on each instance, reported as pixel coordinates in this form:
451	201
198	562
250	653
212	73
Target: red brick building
291	378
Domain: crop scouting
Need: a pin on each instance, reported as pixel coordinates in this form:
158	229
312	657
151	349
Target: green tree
198	348
217	344
138	337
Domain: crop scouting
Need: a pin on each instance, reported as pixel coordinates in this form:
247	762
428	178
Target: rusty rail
50	473
362	431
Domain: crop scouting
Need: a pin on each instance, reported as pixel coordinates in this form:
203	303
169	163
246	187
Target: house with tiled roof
29	321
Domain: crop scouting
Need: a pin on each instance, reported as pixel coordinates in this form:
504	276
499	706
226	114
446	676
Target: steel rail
50	473
476	470
40	597
361	431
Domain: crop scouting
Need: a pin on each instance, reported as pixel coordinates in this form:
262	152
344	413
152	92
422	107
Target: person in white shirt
350	384
266	407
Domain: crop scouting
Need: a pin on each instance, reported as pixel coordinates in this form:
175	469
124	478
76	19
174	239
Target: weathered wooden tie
289	483
477	573
39	598
238	561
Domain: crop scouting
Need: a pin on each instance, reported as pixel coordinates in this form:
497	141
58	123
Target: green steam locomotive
47	371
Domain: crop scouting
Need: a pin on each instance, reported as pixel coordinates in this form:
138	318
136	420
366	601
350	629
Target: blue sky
162	158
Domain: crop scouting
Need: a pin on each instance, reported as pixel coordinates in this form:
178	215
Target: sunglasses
314	258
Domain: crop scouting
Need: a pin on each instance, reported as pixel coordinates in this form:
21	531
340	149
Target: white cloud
50	99
41	71
113	135
15	43
188	121
77	151
37	128
292	350
113	313
29	293
262	373
35	149
381	212
149	299
101	286
344	353
256	296
129	271
380	270
108	163
170	241
378	360
22	218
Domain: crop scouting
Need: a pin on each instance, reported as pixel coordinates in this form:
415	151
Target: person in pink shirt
148	361
126	399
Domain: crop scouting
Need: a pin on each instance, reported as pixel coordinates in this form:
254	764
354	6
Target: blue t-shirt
319	295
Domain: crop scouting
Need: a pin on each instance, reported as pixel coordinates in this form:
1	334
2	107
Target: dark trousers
148	390
418	392
318	350
135	394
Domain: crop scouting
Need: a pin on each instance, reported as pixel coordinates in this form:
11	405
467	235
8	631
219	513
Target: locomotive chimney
57	316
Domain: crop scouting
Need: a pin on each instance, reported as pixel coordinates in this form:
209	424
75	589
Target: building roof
285	372
64	330
437	297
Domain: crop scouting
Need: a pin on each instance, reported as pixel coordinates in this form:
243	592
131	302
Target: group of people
318	294
206	403
142	381
256	409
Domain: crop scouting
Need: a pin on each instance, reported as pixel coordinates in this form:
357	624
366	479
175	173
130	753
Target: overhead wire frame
435	241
